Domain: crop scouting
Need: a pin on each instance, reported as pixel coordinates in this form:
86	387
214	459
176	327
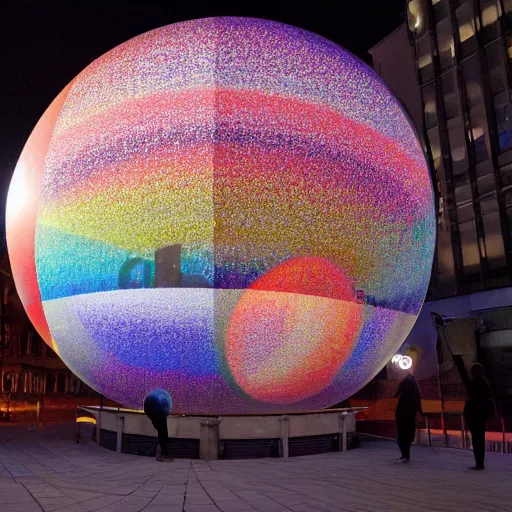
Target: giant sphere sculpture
232	209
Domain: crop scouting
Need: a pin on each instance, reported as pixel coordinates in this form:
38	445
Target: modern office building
461	51
451	66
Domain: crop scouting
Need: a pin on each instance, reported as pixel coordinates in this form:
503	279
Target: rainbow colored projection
235	210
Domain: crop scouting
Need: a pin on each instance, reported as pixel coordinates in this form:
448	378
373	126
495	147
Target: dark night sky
44	45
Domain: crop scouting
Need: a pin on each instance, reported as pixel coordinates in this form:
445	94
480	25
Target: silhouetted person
409	404
157	406
479	407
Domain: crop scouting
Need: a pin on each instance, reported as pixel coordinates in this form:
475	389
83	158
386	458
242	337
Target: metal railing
504	447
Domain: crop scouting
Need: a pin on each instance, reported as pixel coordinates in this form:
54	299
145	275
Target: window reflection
496	64
441	9
472	181
466	24
465	212
451	95
491	12
430	108
503	120
445	264
470	253
458	145
445	42
506	175
463	194
424	57
479	133
493	242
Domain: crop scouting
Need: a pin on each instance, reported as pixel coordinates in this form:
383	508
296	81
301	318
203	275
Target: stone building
30	371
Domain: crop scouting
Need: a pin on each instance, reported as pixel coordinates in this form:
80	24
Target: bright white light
403	362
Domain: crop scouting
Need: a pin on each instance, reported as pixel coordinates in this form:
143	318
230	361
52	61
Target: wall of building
449	65
462	56
35	384
393	59
424	334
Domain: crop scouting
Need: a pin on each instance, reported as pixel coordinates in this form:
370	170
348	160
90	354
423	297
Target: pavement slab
47	471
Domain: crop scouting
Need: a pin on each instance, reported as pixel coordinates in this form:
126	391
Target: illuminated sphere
235	210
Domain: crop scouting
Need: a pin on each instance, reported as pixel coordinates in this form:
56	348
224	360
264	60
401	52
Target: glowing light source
234	210
86	419
403	362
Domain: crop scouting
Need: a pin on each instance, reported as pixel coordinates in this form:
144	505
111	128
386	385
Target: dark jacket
409	397
480	401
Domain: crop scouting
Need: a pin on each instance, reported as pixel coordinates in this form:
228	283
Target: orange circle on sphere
292	330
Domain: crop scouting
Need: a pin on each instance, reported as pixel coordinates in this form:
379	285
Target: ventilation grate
312	445
249	448
146	446
108	439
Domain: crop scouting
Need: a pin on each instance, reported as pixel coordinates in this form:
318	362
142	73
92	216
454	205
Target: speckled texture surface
292	180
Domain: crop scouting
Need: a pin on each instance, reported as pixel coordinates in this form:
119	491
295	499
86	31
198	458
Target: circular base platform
224	437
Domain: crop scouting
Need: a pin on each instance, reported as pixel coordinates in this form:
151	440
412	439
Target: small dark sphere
158	401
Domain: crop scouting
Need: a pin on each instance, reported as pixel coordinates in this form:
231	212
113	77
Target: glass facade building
463	57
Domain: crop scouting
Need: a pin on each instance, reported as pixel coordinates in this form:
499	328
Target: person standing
157	406
409	404
479	407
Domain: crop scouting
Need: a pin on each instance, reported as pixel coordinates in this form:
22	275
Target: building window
50	383
445	42
506	175
424	58
466	24
441	9
429	105
509	46
440	178
416	16
509	213
470	251
473	83
477	115
38	386
486	184
494	248
61	383
12	339
27	382
8	382
503	120
463	194
32	344
445	268
457	139
480	147
465	212
477	128
433	137
496	64
491	12
451	96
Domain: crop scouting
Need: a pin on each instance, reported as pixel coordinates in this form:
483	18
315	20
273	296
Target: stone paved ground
47	471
